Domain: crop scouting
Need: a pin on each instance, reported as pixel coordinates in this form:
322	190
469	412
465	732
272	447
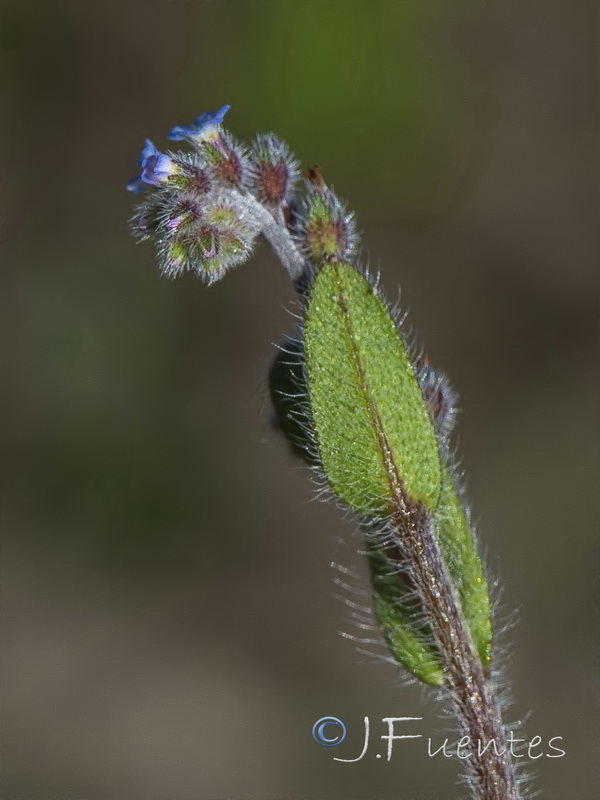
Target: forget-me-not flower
156	168
203	129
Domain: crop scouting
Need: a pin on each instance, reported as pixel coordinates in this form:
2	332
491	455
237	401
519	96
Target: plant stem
276	233
491	772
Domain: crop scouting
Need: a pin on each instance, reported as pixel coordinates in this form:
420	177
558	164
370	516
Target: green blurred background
169	619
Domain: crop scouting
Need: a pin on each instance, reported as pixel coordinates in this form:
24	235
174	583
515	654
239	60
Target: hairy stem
489	764
491	771
276	233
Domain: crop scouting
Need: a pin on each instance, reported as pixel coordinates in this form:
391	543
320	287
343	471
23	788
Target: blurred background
170	625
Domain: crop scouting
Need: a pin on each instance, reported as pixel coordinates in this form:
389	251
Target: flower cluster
204	209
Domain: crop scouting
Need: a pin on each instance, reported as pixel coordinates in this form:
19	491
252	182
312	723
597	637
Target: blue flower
203	128
156	168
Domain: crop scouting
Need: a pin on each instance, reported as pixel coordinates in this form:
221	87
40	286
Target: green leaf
399	615
459	551
369	418
378	451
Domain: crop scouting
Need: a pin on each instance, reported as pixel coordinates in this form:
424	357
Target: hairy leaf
367	409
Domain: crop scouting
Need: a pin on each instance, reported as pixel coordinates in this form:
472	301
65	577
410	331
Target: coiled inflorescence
205	208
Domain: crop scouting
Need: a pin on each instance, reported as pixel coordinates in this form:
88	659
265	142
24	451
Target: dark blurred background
169	621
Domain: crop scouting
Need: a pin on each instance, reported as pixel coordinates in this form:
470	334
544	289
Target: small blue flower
156	168
202	129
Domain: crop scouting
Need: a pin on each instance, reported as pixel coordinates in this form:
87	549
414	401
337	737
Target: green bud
324	229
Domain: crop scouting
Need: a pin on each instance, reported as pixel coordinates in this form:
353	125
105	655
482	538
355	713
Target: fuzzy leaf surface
373	432
367	409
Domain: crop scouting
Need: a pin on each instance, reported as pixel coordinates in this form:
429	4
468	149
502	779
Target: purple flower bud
323	228
207	242
148	216
273	170
207	235
144	224
439	397
198	182
179	215
227	161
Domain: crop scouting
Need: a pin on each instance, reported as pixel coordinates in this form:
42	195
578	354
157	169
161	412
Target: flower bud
227	161
147	217
273	171
439	398
207	239
324	230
